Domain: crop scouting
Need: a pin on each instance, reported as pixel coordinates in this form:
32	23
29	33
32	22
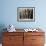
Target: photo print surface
26	13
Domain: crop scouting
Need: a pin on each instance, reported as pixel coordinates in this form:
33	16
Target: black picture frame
26	14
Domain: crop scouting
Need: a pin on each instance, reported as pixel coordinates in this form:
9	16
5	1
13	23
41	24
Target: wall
9	13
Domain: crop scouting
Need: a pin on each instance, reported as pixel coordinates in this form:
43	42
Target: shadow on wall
2	26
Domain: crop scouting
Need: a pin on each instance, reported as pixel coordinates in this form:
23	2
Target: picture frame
26	14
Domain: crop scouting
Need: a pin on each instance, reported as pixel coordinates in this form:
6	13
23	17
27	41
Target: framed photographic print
26	14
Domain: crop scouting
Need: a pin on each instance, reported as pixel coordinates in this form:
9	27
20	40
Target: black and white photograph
26	14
